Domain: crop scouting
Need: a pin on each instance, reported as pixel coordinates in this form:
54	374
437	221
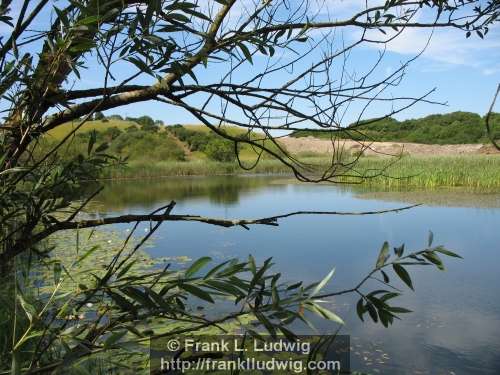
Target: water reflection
227	190
149	193
452	197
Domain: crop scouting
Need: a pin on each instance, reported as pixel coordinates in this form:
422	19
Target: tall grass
202	167
475	171
468	171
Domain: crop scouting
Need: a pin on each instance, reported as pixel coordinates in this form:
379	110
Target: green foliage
451	128
111	133
131	129
110	298
115	117
132	143
146	123
147	146
140	298
96	304
220	150
99	116
377	303
195	140
213	146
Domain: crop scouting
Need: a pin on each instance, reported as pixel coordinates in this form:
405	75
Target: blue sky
465	72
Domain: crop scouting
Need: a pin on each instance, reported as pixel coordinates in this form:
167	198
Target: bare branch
487	120
271	220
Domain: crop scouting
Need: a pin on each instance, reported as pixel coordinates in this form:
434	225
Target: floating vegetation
88	253
369	355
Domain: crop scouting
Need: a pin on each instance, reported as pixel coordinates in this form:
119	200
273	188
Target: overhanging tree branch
271	220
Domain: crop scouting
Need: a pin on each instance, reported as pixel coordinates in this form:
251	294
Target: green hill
145	140
202	142
450	128
125	138
98	125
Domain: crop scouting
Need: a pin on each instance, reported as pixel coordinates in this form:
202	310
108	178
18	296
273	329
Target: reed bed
475	171
193	168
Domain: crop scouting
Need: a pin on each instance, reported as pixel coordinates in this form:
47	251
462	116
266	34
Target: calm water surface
455	327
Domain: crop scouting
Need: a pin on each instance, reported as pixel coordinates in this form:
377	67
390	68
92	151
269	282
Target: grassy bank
468	171
193	168
476	171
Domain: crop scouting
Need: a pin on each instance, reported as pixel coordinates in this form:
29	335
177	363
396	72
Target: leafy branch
124	301
376	303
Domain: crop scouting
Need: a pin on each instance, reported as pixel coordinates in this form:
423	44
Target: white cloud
341	8
491	71
447	47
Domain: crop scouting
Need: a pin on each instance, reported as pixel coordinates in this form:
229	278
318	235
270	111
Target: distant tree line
450	128
145	122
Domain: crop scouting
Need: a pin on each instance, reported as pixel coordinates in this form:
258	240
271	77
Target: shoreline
242	174
472	171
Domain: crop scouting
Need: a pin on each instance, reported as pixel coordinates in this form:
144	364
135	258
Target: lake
455	326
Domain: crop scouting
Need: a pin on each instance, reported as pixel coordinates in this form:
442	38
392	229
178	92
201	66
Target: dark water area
455	326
